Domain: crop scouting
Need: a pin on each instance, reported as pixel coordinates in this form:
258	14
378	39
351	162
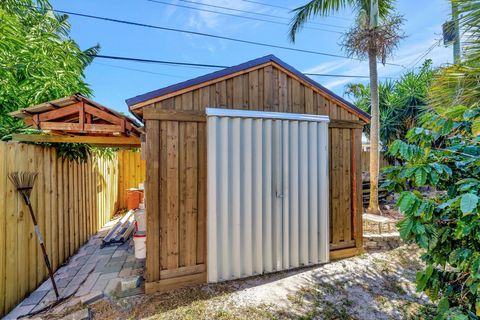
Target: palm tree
374	35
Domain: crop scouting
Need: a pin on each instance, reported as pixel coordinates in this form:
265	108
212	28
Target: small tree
38	60
374	36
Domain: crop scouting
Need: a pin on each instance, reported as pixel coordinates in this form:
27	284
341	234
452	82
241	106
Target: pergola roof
79	119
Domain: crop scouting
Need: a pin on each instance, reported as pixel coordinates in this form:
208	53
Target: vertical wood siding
266	213
175	201
71	201
264	89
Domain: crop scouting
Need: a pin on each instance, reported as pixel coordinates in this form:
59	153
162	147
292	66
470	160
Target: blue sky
115	81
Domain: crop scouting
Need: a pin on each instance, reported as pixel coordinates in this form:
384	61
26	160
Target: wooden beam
59	113
175	283
175	115
102	114
103	128
182	271
342	245
132	142
357	182
81	115
62	126
346	124
345	253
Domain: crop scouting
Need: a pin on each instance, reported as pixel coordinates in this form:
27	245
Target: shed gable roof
153	96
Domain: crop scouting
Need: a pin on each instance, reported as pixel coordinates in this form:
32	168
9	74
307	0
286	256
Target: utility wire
412	64
268	5
286	8
236	15
262	44
256	13
175	63
139	70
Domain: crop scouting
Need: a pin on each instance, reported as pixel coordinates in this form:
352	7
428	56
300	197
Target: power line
255	13
268	5
262	44
176	63
236	15
340	75
412	64
286	8
138	70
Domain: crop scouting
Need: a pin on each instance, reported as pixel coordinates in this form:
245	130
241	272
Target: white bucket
141	220
139	240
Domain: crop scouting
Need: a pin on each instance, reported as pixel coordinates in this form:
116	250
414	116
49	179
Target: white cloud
202	19
327	67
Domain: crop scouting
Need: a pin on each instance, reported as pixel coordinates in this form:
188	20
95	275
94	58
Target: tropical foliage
375	35
38	60
401	102
443	154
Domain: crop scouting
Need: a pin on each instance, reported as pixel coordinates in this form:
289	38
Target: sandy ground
371	286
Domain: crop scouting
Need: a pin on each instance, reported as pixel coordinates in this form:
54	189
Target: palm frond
89	54
324	8
315	8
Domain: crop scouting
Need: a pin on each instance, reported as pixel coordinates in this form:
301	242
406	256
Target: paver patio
92	273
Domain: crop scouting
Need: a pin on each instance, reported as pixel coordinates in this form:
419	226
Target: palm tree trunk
374	133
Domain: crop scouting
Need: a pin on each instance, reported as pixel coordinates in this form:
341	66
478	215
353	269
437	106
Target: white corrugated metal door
267	192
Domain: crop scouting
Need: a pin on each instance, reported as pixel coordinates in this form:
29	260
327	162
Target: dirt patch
371	286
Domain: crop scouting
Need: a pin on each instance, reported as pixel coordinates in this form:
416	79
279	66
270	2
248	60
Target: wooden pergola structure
76	119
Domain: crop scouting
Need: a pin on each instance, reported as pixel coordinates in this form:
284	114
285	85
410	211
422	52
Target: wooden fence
132	171
366	161
71	200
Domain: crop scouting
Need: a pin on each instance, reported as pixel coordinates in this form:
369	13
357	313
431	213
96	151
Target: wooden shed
284	174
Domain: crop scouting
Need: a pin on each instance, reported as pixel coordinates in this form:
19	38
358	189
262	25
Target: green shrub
439	187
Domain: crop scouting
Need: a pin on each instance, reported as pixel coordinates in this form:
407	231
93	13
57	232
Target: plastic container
139	241
141	219
134	197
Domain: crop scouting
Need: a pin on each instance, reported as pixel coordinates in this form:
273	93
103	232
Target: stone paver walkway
91	274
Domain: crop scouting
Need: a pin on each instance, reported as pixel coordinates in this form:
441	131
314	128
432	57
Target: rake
24	182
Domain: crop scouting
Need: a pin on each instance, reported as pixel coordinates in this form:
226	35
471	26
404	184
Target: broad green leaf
476	127
405	228
443	306
455	113
469	202
420	177
406	203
